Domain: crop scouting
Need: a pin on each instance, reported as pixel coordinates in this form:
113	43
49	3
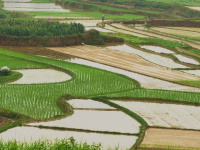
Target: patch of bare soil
4	121
124	61
172	139
41	51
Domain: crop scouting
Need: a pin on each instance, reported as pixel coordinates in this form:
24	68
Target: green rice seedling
39	100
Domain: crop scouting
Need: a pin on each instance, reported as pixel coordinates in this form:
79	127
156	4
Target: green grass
195	83
64	144
42	97
177	96
95	14
12	76
16	63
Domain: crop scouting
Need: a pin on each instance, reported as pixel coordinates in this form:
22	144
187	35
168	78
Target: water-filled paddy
31	134
163	61
157	49
34	7
194	72
186	59
165	115
87	23
79	103
41	76
115	121
17	1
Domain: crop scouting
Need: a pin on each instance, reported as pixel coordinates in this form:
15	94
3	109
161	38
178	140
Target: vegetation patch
13	75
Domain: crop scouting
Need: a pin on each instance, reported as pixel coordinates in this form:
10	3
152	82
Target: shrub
5	71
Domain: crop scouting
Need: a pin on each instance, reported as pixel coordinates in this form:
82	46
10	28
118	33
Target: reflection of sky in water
33	7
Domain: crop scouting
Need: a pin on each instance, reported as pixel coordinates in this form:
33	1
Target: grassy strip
131	114
195	83
12	77
64	144
177	96
94	14
187	37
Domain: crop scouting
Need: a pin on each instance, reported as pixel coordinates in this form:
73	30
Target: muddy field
131	63
156	137
4	121
175	31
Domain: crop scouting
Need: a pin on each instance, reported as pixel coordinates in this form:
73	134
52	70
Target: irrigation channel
170	123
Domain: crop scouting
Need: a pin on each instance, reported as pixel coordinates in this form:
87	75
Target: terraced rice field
131	63
175	31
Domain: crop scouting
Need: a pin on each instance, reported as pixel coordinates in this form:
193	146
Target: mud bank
174	23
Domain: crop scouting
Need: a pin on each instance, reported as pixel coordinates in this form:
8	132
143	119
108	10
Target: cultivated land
142	92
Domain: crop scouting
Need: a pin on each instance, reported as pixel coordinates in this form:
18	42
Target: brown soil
172	23
157	137
124	61
190	53
4	121
41	51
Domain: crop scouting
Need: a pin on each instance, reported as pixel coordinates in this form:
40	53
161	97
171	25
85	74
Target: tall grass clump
64	144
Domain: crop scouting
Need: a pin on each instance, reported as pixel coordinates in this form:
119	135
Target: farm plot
186	59
87	23
33	7
145	81
87	104
185	29
165	115
110	121
31	76
157	49
194	72
171	139
32	134
124	61
108	27
156	59
178	32
42	97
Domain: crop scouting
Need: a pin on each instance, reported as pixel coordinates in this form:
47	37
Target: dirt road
124	61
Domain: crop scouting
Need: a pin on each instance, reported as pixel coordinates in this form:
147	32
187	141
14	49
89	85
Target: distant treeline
171	8
39	28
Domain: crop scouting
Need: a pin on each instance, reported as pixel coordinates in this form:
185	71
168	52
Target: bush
93	37
5	71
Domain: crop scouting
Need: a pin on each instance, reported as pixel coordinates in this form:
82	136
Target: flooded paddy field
112	121
194	72
157	49
33	7
31	134
185	29
165	115
171	139
195	8
31	76
186	59
87	23
79	103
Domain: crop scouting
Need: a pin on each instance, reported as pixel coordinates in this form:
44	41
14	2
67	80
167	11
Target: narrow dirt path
156	35
124	61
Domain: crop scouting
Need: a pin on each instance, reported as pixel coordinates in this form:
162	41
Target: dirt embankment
172	23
